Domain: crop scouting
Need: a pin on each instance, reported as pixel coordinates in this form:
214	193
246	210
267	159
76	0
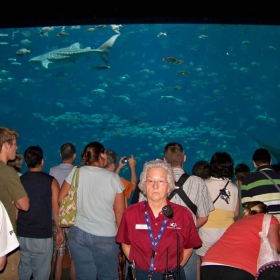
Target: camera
225	195
167	211
169	275
125	160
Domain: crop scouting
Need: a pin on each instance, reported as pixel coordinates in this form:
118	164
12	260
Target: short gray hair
157	163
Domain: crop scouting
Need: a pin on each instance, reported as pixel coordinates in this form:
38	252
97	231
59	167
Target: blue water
229	93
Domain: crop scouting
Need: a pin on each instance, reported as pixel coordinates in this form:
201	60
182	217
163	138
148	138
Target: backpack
182	194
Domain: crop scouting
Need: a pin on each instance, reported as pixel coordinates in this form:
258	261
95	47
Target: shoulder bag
268	258
224	194
68	207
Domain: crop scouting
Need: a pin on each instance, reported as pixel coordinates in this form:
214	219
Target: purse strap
269	178
75	178
266	223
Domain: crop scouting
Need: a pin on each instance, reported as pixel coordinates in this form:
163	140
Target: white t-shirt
8	238
97	189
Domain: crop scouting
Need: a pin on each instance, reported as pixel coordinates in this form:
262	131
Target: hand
131	162
121	164
59	239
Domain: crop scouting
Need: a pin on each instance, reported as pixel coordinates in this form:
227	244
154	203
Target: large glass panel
136	87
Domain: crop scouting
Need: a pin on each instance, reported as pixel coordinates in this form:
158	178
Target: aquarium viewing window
136	87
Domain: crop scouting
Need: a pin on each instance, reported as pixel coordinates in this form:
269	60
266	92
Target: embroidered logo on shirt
173	226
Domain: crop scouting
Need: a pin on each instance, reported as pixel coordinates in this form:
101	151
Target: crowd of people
152	235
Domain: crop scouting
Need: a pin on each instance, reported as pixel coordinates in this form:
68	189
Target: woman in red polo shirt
155	231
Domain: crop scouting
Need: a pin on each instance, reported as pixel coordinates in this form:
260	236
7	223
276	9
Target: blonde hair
16	163
7	135
254	207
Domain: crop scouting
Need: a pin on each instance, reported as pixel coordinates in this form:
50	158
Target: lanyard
154	242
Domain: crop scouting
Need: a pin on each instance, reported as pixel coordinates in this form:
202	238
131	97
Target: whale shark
72	54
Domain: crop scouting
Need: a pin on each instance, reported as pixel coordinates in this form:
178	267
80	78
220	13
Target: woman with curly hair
224	195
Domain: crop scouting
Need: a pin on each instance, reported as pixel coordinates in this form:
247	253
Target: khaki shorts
10	271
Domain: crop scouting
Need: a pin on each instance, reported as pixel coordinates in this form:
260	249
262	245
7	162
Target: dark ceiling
42	13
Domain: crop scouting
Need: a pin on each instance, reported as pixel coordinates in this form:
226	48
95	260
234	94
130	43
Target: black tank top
37	221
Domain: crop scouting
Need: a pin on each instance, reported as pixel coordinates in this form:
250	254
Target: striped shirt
257	187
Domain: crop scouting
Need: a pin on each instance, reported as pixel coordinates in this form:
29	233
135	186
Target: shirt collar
264	167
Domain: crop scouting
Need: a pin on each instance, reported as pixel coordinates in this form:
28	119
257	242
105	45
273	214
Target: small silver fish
22	51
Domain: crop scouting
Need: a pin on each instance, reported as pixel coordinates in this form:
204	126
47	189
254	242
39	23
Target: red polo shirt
133	231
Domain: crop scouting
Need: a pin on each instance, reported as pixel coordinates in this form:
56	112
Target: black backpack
182	194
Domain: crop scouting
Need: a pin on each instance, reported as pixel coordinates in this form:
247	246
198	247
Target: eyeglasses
151	182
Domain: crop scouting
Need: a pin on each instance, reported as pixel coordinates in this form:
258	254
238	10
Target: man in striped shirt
262	184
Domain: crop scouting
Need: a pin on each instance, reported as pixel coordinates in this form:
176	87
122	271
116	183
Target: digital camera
169	275
125	160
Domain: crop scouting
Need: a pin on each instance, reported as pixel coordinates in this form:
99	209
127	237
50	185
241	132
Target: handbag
68	207
268	257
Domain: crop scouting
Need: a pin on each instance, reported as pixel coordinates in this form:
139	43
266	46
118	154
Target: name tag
141	226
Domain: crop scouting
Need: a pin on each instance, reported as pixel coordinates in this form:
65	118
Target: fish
62	34
124	98
45	30
91	29
100	67
202	36
72	54
171	59
183	72
178	62
161	34
23	51
171	98
26	42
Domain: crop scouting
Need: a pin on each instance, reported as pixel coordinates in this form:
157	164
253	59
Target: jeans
190	267
95	257
35	258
